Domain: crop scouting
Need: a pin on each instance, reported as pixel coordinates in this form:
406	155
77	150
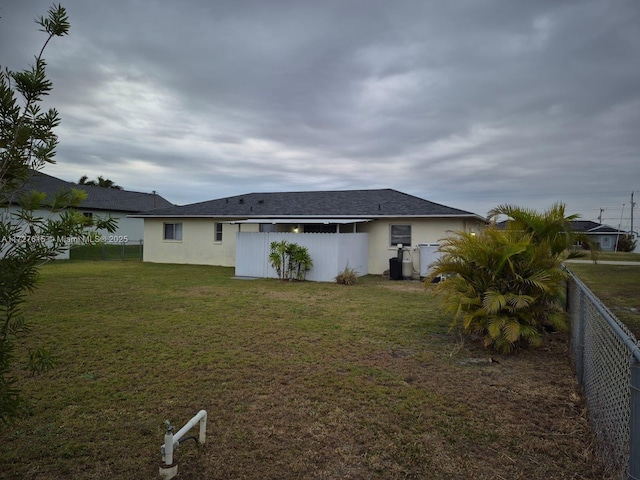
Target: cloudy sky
469	103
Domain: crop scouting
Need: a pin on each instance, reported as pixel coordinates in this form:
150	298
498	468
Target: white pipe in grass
171	442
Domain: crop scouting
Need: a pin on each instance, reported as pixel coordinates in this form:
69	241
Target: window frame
217	232
177	230
395	243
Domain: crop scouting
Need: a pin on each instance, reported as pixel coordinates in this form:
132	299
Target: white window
173	231
218	237
400	234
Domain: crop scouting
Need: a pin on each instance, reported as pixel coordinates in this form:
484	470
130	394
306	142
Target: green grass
300	380
619	256
618	286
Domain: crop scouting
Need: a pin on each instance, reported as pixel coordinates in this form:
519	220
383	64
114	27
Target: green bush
626	243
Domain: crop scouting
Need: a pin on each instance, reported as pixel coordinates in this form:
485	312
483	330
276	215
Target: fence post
634	420
580	339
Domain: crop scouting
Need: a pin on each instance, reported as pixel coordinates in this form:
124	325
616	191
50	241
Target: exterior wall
606	243
423	230
130	228
198	245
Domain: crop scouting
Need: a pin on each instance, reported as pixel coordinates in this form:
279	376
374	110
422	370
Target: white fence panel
252	255
330	253
354	253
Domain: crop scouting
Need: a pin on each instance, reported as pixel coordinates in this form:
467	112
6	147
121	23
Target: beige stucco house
368	226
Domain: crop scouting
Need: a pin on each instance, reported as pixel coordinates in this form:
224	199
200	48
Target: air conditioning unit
428	254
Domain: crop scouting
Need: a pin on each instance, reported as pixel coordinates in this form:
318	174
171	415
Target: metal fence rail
131	250
607	360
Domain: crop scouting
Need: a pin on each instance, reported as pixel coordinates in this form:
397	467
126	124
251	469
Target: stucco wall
422	231
197	245
130	228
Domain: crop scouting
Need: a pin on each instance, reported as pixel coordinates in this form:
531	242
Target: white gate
330	253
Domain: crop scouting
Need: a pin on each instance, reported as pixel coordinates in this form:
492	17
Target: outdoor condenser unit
428	254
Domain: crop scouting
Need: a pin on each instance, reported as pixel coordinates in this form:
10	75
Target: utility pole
600	216
633	235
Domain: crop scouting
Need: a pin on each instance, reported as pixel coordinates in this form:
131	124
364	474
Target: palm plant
299	261
551	228
277	256
290	260
506	284
101	182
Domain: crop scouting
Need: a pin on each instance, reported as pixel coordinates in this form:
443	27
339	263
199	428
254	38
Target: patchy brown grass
300	380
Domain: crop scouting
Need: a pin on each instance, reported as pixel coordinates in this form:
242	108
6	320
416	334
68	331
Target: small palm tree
551	228
277	256
300	261
507	284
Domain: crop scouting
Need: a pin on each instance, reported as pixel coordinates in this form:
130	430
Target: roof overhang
320	221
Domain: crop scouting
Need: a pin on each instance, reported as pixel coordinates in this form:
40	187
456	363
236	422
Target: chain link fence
131	250
607	361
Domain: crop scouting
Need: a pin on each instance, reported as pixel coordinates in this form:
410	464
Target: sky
468	103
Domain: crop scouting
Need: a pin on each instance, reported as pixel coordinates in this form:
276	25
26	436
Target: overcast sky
469	103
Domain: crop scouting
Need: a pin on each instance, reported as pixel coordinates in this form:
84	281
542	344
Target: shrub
506	285
501	286
290	260
626	243
349	276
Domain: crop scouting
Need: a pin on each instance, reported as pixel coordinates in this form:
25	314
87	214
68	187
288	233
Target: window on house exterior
88	214
268	227
173	231
218	236
319	228
400	234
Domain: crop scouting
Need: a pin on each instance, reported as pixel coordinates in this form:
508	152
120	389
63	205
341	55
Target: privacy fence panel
330	253
606	356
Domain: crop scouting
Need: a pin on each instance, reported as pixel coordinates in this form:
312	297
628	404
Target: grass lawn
300	381
618	256
618	286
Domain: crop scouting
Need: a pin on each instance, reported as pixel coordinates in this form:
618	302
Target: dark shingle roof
98	198
581	226
343	203
587	226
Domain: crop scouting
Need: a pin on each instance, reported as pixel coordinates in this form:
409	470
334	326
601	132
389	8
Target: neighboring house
102	202
357	228
603	237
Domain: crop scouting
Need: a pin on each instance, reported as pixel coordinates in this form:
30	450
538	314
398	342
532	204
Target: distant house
357	228
102	202
603	237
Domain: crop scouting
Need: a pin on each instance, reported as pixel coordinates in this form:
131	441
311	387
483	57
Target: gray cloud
470	104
